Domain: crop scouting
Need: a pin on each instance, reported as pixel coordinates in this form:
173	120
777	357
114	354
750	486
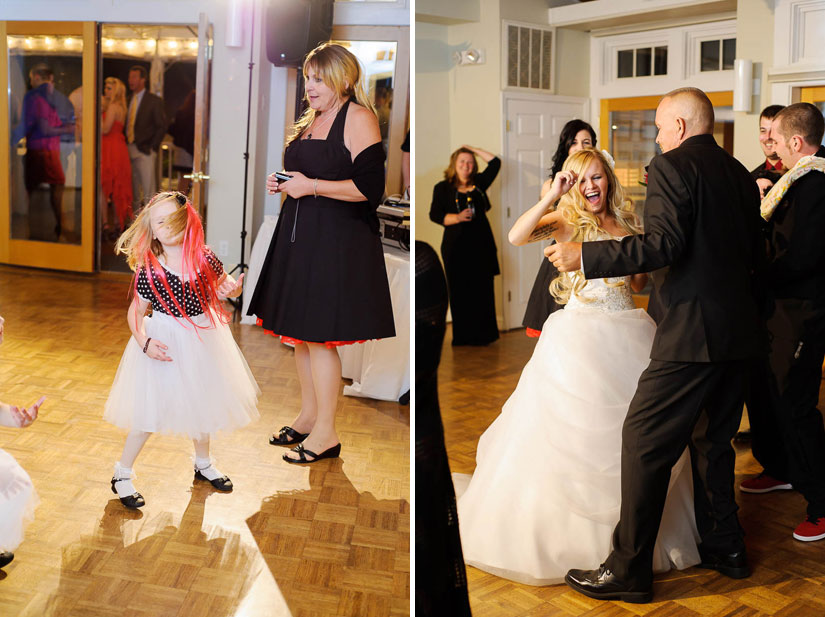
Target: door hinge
509	296
508	126
508	213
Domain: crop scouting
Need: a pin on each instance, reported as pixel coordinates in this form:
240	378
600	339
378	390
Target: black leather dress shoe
734	565
602	584
6	558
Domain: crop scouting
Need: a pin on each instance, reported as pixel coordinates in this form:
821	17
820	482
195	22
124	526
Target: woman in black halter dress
323	282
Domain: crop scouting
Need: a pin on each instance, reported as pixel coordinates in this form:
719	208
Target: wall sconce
742	84
234	23
470	56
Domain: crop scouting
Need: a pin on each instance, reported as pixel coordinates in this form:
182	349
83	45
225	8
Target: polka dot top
183	294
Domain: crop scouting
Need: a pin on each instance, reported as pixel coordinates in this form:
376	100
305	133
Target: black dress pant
767	443
797	330
678	404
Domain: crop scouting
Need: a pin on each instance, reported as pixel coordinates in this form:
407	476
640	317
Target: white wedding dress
545	493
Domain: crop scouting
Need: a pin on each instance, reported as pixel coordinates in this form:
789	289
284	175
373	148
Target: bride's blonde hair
573	208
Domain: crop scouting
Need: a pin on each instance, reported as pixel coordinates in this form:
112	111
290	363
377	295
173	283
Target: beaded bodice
612	294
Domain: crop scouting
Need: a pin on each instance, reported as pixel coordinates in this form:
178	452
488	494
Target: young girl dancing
18	498
182	371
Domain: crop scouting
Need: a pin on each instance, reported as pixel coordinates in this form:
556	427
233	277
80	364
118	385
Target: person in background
468	248
324	283
795	278
767	174
145	128
115	166
576	135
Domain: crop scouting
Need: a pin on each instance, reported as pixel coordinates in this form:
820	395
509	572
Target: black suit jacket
702	222
150	123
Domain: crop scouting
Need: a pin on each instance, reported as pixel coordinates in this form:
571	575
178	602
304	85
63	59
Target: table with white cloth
379	369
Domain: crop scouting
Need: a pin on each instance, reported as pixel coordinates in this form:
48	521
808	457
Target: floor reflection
333	550
183	569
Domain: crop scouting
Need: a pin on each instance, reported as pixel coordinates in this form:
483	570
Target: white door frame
510	269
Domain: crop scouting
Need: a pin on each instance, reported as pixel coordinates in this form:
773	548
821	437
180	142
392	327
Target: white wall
754	41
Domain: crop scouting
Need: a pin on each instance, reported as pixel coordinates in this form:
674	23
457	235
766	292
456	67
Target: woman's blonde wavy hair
340	70
573	208
118	92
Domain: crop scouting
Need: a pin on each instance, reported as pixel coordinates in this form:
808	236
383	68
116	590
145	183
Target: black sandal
133	501
223	484
287	432
333	452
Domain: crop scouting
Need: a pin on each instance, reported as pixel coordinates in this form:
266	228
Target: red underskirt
294	341
532	333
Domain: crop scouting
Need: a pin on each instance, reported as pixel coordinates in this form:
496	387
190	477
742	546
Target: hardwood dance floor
328	540
788	577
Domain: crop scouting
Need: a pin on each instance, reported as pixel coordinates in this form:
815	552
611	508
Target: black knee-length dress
324	279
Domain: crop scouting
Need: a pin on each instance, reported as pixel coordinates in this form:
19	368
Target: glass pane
728	53
168	55
632	144
643	60
710	55
660	61
626	63
723	127
821	106
378	60
45	75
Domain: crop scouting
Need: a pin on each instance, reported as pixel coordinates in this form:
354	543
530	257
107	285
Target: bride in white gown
545	493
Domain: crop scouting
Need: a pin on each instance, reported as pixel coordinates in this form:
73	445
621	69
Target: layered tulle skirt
18	500
545	493
206	388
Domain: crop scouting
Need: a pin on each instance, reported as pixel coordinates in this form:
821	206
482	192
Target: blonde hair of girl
118	92
142	249
340	70
573	208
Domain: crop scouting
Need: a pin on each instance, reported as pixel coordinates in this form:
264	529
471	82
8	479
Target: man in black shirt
772	169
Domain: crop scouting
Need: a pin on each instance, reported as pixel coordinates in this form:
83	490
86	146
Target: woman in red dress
115	167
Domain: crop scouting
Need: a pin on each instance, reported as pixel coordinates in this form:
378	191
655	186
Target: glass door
628	132
47	170
384	52
816	96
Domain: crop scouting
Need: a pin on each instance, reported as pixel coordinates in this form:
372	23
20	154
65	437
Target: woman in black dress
468	249
323	282
576	135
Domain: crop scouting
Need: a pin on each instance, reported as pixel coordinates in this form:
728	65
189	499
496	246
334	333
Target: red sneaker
810	529
763	483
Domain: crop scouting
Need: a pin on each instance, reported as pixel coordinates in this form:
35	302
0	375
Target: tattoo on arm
542	232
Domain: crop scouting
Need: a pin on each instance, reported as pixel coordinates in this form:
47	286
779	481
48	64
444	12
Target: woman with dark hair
576	135
468	248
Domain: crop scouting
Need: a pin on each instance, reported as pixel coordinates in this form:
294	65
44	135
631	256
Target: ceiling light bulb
193	44
173	44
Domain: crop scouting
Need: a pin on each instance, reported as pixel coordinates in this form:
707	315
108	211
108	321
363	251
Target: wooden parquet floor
788	577
330	539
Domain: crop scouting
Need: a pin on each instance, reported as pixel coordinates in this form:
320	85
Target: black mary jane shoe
135	500
602	584
6	557
223	484
287	436
333	452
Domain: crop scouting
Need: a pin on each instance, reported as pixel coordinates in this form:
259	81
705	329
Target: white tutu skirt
207	387
546	491
18	500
